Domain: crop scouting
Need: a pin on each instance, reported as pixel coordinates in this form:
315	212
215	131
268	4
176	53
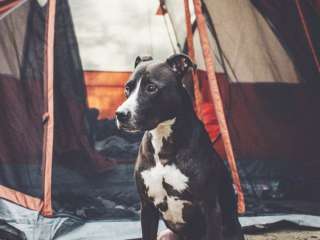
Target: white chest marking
153	178
174	214
160	133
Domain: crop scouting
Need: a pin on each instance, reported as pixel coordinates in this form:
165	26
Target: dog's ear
141	59
180	63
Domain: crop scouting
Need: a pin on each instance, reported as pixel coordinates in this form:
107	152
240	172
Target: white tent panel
199	56
248	42
252	51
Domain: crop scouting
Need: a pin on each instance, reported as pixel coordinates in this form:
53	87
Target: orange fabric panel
209	117
203	100
211	124
105	91
219	147
96	78
21	198
217	99
210	120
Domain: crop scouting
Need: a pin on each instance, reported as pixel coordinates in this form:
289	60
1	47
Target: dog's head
154	93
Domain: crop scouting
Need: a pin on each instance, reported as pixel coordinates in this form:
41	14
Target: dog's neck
170	135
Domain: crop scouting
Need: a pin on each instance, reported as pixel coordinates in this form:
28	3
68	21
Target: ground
286	235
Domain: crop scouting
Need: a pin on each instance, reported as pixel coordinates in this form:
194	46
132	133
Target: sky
111	34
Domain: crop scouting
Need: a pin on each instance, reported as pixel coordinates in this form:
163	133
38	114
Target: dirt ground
286	235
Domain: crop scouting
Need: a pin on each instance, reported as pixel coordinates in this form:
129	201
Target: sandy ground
285	235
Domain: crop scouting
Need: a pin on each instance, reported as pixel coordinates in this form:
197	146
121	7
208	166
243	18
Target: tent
66	172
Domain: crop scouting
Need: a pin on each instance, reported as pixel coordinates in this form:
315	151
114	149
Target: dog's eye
151	88
127	91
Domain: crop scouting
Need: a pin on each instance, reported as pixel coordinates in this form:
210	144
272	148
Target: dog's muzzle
123	117
124	121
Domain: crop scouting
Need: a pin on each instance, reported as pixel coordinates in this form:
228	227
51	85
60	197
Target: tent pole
196	84
217	100
48	116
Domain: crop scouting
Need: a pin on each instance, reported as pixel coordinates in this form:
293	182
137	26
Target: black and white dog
179	176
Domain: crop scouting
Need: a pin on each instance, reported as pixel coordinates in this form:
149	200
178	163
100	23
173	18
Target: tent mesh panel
21	98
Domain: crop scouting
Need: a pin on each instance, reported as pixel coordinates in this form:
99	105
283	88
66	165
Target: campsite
66	170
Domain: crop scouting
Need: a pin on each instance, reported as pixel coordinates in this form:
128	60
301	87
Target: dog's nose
123	116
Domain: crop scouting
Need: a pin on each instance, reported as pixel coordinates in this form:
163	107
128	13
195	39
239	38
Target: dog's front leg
213	221
149	221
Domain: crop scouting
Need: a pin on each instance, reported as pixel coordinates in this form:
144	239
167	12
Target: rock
107	128
120	207
8	232
81	213
132	209
107	203
118	148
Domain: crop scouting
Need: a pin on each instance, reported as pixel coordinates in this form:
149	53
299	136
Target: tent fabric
21	100
217	100
203	99
22	86
264	106
266	77
6	5
294	38
33	226
71	132
270	97
191	54
74	156
251	44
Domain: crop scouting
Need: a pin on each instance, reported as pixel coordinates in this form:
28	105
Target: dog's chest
158	180
165	184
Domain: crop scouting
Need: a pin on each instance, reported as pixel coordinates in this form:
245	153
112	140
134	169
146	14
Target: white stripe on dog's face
132	102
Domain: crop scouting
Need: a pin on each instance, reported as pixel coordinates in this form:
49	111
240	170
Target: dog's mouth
130	130
127	127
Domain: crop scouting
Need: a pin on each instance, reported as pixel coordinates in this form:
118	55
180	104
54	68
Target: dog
179	176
